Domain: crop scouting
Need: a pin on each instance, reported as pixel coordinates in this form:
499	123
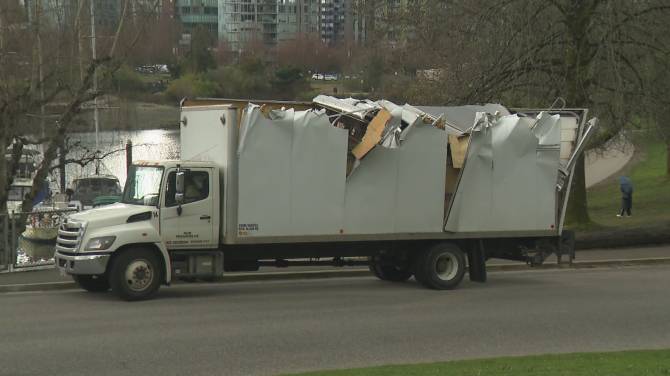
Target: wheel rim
139	275
446	266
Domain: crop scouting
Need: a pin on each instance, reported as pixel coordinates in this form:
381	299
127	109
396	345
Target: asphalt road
287	326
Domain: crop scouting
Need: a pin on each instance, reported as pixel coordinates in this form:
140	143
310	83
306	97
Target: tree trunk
577	212
667	157
4	183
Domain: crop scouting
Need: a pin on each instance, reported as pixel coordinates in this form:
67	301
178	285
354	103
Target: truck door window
196	187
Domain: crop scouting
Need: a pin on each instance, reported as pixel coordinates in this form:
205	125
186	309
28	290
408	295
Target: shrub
192	86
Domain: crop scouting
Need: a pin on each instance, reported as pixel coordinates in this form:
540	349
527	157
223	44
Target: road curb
44	286
349	273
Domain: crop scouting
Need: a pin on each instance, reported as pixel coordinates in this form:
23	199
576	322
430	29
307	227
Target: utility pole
95	76
40	62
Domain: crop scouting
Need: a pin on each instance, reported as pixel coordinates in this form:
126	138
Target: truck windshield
143	185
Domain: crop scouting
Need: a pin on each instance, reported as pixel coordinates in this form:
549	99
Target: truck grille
69	235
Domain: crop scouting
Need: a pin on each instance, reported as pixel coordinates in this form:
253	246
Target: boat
42	227
85	190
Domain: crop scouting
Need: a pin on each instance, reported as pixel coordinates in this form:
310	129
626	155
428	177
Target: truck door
194	228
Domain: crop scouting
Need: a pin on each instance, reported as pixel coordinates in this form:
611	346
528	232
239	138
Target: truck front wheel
92	283
135	274
441	267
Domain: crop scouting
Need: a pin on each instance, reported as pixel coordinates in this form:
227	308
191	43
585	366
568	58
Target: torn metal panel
463	116
351	107
545	129
522	195
249	117
509	177
471	203
294	166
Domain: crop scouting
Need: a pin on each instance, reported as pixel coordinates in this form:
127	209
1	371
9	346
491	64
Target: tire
136	274
92	283
441	267
392	273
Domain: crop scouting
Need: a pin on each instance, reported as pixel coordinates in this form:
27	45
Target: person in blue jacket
626	186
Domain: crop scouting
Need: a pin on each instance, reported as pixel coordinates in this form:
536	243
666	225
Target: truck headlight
101	243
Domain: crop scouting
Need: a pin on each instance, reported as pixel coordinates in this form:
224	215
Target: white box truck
410	191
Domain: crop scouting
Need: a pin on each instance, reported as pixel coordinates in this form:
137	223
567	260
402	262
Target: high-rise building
269	22
60	13
198	13
335	21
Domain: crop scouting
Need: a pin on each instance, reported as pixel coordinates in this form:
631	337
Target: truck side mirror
179	189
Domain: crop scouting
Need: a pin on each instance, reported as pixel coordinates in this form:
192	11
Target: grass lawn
326	87
651	197
638	363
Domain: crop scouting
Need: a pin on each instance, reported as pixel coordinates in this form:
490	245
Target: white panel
568	127
421	177
319	159
264	177
568	134
204	137
371	192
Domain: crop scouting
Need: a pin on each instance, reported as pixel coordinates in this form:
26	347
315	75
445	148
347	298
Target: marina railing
35	245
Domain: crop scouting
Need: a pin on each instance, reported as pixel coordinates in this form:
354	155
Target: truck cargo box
342	169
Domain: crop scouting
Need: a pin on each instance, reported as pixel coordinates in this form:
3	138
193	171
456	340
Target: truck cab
169	210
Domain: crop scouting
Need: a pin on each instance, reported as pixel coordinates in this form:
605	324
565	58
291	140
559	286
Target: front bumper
82	264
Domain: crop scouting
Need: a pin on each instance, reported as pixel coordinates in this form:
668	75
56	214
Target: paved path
262	328
600	166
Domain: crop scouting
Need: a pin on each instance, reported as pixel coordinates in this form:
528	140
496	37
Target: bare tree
531	51
21	96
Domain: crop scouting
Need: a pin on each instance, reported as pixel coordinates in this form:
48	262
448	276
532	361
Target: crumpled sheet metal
292	179
463	117
352	107
509	178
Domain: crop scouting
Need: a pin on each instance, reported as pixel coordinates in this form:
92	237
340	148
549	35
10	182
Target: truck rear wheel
390	272
92	283
441	267
135	274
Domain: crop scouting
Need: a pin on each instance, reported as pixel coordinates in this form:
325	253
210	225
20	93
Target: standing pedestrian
626	187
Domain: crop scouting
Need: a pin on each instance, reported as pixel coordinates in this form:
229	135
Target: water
152	144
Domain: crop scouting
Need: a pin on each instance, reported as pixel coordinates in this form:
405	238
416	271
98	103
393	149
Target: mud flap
477	263
566	246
